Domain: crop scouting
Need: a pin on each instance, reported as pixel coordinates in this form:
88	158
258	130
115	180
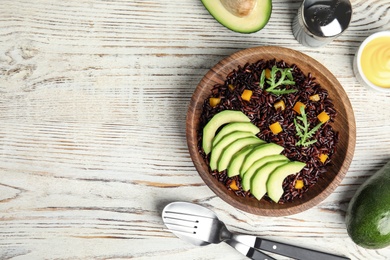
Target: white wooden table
93	101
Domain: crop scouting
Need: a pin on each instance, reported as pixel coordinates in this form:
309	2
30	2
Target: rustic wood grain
93	102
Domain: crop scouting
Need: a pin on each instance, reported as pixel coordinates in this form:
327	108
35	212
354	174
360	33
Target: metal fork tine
190	232
182	223
189	221
179	215
179	228
179	222
184	216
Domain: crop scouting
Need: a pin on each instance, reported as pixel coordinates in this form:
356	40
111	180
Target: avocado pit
239	8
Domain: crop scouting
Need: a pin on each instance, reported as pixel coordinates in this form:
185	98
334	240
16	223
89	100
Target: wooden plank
93	101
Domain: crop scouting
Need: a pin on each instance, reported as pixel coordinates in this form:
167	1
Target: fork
191	221
187	228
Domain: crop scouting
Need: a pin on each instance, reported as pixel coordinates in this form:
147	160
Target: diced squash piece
231	87
299	184
297	107
267	73
323	117
276	128
247	94
315	97
233	185
280	105
214	101
323	157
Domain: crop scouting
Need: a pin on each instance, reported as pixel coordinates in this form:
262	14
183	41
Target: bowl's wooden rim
345	124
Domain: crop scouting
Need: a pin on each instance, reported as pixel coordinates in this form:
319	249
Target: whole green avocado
368	213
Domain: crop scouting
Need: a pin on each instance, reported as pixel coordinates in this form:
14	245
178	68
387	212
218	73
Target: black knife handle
258	255
294	251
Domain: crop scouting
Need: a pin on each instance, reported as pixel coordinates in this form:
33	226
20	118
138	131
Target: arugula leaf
303	130
283	91
262	79
285	78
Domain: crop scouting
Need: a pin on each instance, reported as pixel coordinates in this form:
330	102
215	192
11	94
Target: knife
285	249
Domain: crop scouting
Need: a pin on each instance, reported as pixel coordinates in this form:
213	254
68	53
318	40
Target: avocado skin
368	213
254	22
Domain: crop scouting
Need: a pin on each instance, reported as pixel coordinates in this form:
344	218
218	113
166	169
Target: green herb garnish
285	78
303	130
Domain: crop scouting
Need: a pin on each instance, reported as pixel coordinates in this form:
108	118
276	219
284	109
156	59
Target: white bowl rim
359	55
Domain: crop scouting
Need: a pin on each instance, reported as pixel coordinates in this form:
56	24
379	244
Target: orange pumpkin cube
267	73
323	157
315	97
299	184
280	105
297	107
247	94
323	117
214	101
233	185
276	128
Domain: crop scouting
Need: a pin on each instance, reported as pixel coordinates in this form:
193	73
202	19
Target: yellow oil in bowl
371	63
375	61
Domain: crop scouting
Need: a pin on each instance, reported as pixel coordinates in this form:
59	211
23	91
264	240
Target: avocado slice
260	152
235	126
259	163
368	213
233	148
223	117
225	141
259	179
244	16
237	160
248	175
276	178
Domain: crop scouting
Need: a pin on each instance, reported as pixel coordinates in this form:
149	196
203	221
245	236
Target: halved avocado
244	16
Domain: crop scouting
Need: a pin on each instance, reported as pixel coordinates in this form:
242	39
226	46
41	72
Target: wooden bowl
344	124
